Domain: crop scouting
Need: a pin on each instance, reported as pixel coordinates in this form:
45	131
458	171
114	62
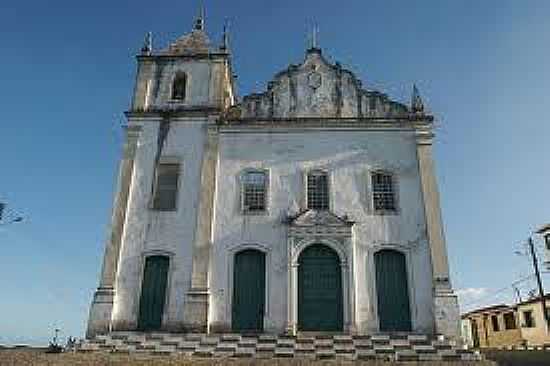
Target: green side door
392	291
153	293
319	290
248	291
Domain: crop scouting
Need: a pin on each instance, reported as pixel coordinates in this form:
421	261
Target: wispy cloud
471	297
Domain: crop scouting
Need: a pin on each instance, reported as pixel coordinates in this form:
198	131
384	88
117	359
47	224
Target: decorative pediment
317	89
196	42
319	218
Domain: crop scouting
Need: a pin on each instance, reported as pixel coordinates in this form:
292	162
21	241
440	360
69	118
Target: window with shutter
179	87
166	187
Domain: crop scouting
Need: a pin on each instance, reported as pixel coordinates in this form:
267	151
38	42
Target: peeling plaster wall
164	232
348	156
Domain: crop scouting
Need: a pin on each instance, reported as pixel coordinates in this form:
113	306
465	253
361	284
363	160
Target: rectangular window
383	192
494	322
509	321
528	320
254	187
372	103
166	187
317	190
547	240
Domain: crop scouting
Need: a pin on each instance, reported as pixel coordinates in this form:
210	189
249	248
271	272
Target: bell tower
189	74
179	92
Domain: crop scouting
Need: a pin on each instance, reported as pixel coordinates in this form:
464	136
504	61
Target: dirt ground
519	358
28	357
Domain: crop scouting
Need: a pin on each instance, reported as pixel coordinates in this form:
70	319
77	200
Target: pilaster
446	313
102	305
197	301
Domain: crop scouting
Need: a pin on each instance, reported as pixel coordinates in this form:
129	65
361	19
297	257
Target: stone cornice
328	124
202	111
411	118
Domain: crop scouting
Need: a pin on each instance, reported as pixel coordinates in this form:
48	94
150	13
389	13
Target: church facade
310	207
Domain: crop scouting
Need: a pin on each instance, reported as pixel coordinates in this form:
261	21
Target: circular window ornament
314	80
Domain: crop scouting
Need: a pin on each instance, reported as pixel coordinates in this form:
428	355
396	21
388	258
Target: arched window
383	192
317	190
179	86
254	191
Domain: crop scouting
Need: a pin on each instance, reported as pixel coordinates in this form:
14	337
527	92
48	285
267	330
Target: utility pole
539	281
518	295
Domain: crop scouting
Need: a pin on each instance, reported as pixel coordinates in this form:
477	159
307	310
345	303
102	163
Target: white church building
310	207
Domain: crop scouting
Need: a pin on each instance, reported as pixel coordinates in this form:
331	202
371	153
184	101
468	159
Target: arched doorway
319	290
248	291
392	290
153	292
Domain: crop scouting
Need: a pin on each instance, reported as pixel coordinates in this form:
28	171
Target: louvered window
179	87
166	187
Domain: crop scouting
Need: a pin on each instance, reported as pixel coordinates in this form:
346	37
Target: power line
492	294
522	280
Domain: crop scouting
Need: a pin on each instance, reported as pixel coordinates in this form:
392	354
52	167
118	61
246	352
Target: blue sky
67	72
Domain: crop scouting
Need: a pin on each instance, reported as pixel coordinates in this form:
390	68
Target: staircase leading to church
352	347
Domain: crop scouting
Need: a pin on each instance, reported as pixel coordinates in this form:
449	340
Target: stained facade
312	206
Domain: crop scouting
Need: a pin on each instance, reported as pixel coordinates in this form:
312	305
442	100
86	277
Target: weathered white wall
348	156
166	232
207	83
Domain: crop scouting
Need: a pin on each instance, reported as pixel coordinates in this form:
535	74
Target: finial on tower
147	44
314	37
199	22
417	105
225	36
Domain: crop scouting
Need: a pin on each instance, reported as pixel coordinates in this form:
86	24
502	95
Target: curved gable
317	88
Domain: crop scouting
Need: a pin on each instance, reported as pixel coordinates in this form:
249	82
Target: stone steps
403	348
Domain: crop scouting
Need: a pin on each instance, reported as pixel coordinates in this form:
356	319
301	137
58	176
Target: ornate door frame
321	227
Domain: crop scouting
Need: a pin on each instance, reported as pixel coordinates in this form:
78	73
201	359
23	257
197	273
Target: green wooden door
153	293
248	291
393	291
319	290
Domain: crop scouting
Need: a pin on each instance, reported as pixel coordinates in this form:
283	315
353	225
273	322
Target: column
294	298
345	274
352	286
197	301
289	329
102	305
446	313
